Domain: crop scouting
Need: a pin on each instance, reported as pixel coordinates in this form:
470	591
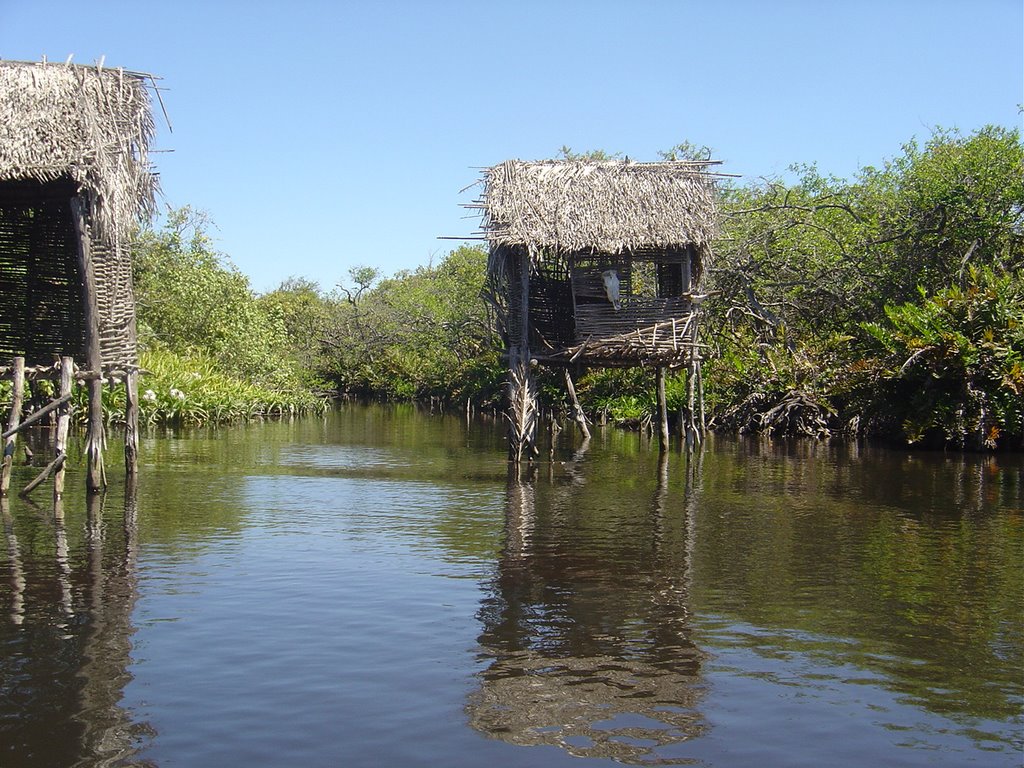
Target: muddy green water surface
372	589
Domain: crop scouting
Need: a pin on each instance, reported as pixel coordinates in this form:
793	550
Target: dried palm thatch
87	124
630	711
576	222
613	207
70	131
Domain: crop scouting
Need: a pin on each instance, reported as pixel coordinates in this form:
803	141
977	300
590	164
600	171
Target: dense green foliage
211	350
952	366
815	279
887	304
419	334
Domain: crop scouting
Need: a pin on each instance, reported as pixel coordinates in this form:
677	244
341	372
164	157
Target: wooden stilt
60	441
522	411
577	411
554	430
131	423
662	410
702	420
522	385
691	390
10	436
95	473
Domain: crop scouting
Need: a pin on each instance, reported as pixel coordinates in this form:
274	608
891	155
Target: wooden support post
522	411
662	410
131	422
577	411
701	420
95	474
554	430
60	440
522	386
10	440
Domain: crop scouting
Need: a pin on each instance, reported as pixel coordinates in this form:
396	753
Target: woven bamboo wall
41	314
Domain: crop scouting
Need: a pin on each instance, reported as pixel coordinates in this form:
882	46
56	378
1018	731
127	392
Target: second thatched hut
595	263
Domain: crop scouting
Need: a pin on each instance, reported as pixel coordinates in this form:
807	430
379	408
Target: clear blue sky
323	135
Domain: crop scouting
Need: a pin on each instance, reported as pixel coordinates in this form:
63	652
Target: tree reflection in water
590	647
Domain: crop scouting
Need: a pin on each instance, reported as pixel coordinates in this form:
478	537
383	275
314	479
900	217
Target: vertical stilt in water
522	396
554	430
701	420
577	411
96	478
522	386
10	442
60	440
692	437
131	422
695	393
662	410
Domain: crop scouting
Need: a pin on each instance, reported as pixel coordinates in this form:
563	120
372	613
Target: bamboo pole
60	441
95	472
662	410
10	436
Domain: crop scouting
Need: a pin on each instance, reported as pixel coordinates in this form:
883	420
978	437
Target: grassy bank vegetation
887	304
212	351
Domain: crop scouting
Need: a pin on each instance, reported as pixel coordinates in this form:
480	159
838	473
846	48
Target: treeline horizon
890	305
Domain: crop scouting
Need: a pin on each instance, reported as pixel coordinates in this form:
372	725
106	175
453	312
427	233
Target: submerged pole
662	409
60	441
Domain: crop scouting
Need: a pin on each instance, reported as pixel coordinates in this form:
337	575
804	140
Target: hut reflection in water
69	638
589	649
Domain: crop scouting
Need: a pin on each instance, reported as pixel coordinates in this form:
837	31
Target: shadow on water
67	645
588	639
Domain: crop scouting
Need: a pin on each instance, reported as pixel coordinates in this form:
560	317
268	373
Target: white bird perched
611	287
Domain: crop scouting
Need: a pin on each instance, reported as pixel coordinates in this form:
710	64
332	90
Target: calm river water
371	589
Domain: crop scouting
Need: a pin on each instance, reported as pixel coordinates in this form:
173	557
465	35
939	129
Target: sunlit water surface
372	589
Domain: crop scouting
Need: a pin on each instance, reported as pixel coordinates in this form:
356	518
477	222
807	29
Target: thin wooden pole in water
662	410
60	441
522	387
10	442
577	411
131	423
95	473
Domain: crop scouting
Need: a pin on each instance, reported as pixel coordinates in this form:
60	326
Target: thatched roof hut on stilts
597	264
75	181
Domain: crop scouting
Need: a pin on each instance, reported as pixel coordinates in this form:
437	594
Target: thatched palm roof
611	207
87	124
